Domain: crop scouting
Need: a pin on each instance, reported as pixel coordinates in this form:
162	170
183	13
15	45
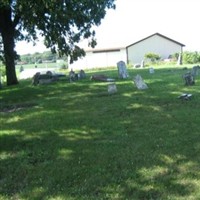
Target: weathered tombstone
73	76
112	88
189	78
101	77
179	61
195	71
142	64
21	69
82	74
36	78
122	71
151	70
137	65
140	84
45	81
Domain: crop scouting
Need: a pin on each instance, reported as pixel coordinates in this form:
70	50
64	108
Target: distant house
156	43
132	54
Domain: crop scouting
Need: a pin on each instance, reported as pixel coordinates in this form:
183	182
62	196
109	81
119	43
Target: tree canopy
62	23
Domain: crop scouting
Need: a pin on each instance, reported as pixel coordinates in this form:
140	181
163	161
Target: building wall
100	58
155	44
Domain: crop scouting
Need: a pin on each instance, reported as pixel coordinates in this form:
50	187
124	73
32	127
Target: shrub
152	56
191	57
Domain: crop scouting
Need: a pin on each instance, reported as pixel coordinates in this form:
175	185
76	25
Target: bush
191	57
152	56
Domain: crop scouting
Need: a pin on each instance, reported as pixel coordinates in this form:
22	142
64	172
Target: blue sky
133	20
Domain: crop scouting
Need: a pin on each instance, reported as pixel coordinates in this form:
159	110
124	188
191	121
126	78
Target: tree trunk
7	30
8	42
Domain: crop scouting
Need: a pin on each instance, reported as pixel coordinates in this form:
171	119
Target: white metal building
156	43
133	54
100	58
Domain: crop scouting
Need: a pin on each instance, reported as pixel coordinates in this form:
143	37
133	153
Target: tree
62	23
152	56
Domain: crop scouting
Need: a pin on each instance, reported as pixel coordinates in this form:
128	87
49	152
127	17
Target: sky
133	20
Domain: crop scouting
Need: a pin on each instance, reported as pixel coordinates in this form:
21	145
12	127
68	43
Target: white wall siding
154	44
101	58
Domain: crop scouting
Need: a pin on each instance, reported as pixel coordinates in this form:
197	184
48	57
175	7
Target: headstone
45	81
82	74
140	84
189	78
73	76
21	69
122	71
142	64
112	88
151	70
101	77
137	65
44	78
179	61
36	78
195	71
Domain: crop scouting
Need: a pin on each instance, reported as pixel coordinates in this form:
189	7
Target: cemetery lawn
74	141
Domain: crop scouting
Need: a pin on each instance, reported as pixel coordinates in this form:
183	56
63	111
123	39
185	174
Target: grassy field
74	141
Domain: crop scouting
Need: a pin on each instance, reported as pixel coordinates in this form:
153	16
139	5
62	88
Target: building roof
102	50
158	35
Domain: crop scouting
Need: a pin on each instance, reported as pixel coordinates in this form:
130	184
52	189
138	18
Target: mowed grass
74	141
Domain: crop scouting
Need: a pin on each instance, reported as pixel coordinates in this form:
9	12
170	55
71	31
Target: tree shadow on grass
123	146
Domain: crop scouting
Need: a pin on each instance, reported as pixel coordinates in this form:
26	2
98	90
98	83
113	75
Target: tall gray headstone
195	70
179	62
122	71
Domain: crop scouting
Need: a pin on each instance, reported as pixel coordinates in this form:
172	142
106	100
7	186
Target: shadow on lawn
136	149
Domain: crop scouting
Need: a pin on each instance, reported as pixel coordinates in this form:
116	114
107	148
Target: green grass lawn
74	141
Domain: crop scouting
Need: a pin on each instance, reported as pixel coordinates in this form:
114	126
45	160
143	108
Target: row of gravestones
49	77
189	77
122	73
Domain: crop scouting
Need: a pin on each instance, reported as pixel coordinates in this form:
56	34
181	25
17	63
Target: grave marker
122	71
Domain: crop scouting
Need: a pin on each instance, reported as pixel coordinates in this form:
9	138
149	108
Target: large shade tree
62	23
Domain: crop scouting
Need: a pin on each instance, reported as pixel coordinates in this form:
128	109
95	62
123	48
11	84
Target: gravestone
142	64
82	74
44	78
101	77
112	88
189	78
21	69
36	79
179	61
140	84
137	65
195	71
151	70
73	76
122	71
